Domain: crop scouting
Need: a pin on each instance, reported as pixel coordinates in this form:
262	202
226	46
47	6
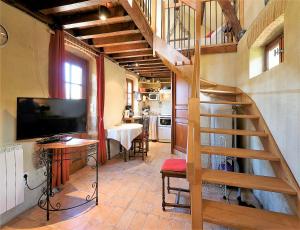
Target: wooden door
180	94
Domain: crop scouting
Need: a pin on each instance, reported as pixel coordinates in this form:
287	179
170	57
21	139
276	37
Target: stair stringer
281	168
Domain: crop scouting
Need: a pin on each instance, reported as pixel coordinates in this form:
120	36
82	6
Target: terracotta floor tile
129	198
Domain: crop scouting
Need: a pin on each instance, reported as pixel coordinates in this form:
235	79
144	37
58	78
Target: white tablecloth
125	133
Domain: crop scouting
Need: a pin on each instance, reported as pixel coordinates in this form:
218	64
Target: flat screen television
46	117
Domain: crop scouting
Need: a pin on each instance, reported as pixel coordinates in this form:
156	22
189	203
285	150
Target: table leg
108	148
49	182
125	154
97	174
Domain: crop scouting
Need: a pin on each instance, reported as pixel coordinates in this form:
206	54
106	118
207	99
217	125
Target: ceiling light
103	13
136	64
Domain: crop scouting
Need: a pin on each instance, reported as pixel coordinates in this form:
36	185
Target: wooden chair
141	143
175	168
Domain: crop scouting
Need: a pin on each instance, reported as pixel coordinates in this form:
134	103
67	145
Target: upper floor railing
174	22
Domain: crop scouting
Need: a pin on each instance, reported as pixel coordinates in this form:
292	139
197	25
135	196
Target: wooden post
241	12
196	74
153	15
194	162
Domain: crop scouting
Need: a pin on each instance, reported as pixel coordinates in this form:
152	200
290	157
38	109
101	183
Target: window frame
127	93
278	40
78	61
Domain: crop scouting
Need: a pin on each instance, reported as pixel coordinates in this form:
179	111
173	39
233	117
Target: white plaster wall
115	97
277	91
24	72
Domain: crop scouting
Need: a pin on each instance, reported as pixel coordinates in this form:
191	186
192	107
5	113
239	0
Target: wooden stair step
243	116
240	217
243	180
219	92
238	152
234	132
226	102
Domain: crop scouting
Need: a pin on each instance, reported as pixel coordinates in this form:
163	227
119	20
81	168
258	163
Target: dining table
124	134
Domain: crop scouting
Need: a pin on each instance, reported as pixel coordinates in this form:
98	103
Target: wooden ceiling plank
122	43
133	54
138	17
74	5
153	71
98	22
111	34
138	60
124	48
146	67
149	64
128	50
119	39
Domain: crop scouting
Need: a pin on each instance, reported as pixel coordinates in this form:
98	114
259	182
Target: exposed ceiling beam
147	53
109	34
59	6
138	17
138	60
122	43
90	21
151	64
126	48
146	67
111	41
153	71
28	9
231	18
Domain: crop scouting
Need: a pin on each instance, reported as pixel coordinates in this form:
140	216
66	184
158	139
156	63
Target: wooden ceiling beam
111	34
152	63
147	67
153	71
146	53
117	40
94	31
139	60
122	43
139	19
93	20
231	17
58	6
128	51
126	48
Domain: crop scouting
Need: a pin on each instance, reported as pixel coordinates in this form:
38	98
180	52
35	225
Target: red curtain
100	104
60	168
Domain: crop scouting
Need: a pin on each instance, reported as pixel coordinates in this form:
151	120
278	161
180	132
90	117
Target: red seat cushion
175	165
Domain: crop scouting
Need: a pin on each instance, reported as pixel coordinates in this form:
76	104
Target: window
75	77
129	92
274	53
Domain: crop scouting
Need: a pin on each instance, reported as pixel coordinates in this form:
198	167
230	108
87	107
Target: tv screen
45	117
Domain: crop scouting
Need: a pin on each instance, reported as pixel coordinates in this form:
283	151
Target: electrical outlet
25	175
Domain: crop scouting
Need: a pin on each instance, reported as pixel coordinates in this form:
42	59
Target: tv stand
47	154
54	139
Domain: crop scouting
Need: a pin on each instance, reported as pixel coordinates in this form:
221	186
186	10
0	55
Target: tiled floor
130	198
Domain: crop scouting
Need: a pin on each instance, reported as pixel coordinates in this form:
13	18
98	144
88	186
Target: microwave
153	97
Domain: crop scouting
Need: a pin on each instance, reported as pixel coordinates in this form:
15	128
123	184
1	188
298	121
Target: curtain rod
73	41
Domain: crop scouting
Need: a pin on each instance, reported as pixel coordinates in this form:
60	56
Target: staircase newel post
194	162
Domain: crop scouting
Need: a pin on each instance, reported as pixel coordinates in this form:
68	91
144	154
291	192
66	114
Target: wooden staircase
218	212
228	214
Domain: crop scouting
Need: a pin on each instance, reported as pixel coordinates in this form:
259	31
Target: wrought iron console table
46	155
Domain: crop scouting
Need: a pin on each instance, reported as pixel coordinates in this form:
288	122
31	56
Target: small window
274	53
75	77
129	92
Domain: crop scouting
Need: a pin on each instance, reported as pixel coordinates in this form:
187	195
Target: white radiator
11	177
